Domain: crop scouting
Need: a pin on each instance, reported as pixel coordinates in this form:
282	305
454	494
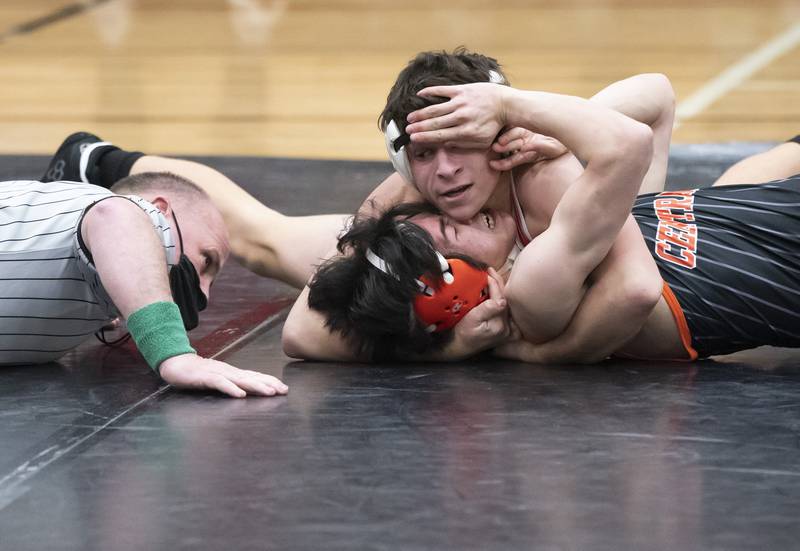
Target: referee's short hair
137	184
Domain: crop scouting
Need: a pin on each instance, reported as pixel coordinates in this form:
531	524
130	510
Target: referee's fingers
275	383
244	377
215	381
254	385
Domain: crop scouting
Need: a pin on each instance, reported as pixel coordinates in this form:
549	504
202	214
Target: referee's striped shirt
51	298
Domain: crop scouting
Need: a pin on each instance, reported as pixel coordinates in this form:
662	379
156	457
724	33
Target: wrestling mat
95	453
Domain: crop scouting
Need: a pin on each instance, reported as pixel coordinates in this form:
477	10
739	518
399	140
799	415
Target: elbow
665	94
642	295
292	341
664	89
637	146
628	148
639	138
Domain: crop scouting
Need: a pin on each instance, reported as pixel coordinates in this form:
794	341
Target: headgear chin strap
396	141
441	305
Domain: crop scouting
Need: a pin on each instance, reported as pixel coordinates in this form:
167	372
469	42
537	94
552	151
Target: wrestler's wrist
159	334
506	101
514	107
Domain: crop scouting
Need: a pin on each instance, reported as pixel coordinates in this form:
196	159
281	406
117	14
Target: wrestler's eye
422	154
206	261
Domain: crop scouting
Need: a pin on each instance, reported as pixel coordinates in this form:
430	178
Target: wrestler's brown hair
435	68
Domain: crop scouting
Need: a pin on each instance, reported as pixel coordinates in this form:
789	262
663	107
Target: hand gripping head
396	141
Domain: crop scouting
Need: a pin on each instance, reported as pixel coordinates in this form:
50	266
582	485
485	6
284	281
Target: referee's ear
161	203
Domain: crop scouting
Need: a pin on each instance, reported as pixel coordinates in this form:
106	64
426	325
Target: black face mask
185	285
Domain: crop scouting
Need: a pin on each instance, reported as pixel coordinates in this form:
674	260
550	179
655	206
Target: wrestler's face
458	181
488	236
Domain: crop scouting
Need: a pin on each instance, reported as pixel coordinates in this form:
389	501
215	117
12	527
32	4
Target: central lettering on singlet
676	236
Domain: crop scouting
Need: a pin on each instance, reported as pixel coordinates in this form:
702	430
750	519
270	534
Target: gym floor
95	453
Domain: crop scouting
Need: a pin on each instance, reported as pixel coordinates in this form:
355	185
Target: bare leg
267	242
779	162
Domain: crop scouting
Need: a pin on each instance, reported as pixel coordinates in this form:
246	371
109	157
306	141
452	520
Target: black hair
436	68
374	310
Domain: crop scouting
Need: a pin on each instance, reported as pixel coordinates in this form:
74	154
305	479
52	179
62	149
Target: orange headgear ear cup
441	305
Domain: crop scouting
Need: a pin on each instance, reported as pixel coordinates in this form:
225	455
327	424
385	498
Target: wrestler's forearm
543	295
293	247
602	324
649	99
392	191
262	239
626	287
305	337
596	139
240	210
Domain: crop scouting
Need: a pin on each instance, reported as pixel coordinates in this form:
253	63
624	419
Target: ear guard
397	141
441	305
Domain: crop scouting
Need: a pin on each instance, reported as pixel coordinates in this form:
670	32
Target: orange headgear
441	305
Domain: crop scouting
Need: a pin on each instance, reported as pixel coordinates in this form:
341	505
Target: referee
74	256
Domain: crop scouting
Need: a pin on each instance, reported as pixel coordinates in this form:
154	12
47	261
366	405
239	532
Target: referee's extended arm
132	266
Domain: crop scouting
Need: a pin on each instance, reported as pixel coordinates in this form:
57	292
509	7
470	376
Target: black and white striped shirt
51	297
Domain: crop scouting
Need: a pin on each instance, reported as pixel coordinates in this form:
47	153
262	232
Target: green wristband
159	334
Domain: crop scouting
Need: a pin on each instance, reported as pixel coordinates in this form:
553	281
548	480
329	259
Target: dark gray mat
478	455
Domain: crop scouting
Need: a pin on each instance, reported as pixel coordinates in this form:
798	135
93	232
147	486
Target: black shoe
66	163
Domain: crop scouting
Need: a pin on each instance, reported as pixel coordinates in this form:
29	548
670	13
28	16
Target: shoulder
541	185
127	210
550	174
112	210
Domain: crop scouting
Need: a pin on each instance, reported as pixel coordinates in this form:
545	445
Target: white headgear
397	141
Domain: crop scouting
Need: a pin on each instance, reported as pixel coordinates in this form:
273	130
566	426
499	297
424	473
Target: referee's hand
190	371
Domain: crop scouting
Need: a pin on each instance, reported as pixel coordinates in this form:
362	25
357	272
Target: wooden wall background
308	78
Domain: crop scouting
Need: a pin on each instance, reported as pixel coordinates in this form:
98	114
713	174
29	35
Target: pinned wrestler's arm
307	336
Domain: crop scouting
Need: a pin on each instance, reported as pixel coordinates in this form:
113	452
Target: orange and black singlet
731	257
